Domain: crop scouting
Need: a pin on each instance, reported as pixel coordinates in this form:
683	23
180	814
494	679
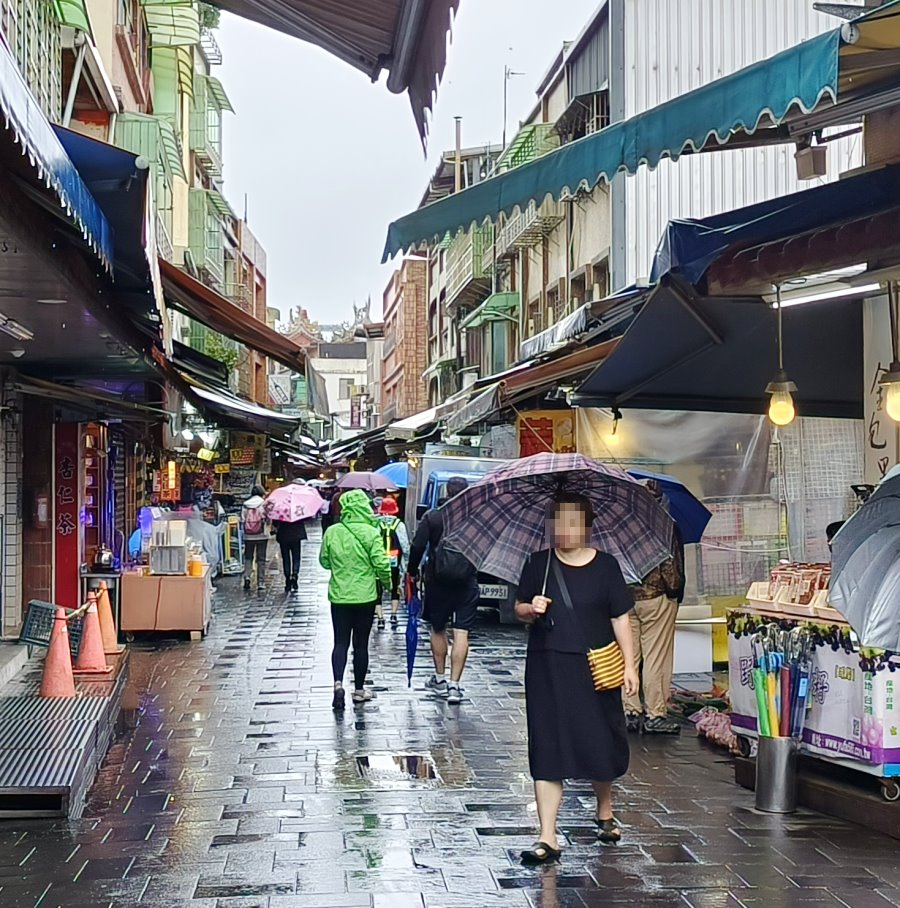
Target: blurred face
567	530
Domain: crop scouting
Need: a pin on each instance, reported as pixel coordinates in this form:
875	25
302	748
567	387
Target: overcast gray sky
327	159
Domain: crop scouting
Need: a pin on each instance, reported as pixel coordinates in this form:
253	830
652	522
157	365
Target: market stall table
166	602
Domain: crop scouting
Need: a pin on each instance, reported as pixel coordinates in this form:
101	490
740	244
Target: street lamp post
507	75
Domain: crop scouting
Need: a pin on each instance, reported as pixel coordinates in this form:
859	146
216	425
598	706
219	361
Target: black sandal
608	832
541	853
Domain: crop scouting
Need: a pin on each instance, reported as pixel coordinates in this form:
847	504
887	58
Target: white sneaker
454	693
438	684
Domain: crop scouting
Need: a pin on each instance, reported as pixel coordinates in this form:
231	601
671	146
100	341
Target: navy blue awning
21	116
685	352
689	247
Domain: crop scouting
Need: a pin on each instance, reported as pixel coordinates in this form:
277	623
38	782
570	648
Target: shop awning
172	23
859	57
689	248
74	14
102	404
406	37
216	91
213	310
555	336
496	306
477	408
49	164
687	352
234	411
407	429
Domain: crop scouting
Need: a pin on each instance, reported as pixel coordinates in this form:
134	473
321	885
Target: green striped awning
173	159
172	24
219	204
74	14
174	67
495	307
216	94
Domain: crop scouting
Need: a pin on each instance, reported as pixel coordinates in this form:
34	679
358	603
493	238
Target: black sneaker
633	722
337	702
294	585
661	725
288	586
246	583
381	624
394	622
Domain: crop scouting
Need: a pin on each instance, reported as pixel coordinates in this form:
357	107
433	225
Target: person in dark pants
290	537
256	537
575	599
445	602
353	550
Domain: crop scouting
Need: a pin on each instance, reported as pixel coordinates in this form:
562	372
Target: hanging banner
356	411
882	438
543	431
66	524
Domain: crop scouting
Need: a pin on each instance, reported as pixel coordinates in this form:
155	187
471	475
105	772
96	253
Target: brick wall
406	318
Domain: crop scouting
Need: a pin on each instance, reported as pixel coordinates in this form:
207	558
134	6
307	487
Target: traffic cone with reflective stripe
107	622
58	680
91	658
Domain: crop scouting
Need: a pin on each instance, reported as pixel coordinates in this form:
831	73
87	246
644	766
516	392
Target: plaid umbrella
498	522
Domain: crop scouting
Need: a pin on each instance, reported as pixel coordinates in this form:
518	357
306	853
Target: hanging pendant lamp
781	405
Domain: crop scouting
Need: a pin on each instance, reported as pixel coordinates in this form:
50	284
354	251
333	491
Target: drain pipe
81	44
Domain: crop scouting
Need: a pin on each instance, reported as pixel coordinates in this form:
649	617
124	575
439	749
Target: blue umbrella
398	473
686	509
414	609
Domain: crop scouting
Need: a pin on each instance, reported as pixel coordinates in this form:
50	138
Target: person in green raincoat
353	550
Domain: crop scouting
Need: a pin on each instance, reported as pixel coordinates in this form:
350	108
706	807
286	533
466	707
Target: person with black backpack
451	593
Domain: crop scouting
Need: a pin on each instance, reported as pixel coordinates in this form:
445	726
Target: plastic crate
39	623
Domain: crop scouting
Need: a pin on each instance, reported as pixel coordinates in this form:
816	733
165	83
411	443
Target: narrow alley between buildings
233	785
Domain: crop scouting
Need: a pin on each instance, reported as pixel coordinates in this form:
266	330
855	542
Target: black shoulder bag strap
567	598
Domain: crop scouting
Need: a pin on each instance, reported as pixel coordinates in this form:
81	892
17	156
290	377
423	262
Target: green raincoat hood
356	508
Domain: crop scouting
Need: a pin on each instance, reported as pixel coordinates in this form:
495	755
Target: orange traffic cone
91	659
107	622
58	680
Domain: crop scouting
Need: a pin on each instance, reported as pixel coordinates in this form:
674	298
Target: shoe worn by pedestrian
656	601
438	684
451	595
454	693
353	551
255	525
575	600
634	722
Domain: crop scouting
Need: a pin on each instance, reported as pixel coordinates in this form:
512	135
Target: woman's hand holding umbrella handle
539	605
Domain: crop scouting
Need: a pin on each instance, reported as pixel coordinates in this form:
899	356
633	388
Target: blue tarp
797	78
21	115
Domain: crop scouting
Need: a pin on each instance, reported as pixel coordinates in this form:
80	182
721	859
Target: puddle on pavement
396	768
384	770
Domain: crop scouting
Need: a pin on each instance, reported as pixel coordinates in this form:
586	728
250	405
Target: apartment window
597	116
345	391
9	16
500	333
553	311
600	280
34	36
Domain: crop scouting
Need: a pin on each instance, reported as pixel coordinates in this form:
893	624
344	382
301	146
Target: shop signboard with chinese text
66	517
882	434
543	431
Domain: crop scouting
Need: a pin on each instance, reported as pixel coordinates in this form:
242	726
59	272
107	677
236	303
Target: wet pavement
234	785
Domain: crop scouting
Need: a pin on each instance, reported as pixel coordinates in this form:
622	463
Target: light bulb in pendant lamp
890	383
782	411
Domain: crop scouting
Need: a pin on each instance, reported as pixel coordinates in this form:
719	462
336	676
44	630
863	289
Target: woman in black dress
574	732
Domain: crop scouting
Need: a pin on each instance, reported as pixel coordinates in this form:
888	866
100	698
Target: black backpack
451	568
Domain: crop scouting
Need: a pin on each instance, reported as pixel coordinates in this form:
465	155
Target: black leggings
290	557
351	621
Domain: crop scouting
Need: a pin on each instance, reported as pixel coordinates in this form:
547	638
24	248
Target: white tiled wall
11	491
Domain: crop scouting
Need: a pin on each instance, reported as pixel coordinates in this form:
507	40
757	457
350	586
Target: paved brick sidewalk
234	786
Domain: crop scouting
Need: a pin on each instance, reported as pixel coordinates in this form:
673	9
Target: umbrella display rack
853	714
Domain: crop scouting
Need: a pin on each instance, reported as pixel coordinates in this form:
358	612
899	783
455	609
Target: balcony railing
465	262
529	143
240	295
164	246
210	47
529	227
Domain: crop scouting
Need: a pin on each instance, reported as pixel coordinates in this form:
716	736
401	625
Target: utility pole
457	159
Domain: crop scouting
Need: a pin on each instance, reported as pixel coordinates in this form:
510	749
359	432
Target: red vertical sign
65	515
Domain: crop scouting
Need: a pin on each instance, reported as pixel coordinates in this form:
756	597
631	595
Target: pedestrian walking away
451	594
289	508
396	544
353	551
575	600
256	537
656	601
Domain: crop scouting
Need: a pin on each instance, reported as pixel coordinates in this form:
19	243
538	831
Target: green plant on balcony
210	16
223	349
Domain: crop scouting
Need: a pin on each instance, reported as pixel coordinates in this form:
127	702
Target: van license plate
493	590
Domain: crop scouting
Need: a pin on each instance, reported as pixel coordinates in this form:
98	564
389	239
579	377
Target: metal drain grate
386	767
